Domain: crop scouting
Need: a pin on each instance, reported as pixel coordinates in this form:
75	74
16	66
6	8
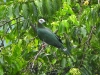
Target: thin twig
34	59
87	43
49	62
36	56
10	21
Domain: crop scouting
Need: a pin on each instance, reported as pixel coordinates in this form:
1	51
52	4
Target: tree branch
31	66
87	43
9	21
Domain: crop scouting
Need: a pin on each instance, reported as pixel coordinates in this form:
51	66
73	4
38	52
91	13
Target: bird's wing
58	37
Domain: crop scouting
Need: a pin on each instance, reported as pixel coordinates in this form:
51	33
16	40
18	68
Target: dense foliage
77	22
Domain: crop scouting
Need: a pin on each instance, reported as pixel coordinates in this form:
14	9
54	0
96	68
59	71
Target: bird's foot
44	45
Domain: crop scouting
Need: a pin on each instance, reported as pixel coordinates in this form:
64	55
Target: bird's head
41	21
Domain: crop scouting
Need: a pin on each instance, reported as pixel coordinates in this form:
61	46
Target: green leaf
25	10
2	11
17	49
61	27
74	19
44	7
1	60
49	8
59	4
17	10
1	71
54	5
83	31
10	36
35	10
10	11
54	61
63	63
70	62
68	44
25	24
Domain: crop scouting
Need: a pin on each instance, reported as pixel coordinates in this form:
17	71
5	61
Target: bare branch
34	59
9	21
87	43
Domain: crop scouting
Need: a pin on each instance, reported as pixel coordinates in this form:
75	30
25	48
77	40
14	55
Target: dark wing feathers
58	37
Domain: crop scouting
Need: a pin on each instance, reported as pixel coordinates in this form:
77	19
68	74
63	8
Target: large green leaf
63	63
10	11
25	10
17	12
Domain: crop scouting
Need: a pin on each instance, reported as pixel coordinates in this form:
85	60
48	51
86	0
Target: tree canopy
77	24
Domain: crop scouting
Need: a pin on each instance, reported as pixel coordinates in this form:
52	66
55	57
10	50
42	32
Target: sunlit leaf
54	61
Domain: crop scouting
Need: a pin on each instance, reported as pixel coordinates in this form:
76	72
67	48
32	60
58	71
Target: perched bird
46	35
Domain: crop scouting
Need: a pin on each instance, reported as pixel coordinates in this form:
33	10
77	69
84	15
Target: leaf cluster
77	24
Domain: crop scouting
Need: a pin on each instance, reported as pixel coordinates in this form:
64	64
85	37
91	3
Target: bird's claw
44	45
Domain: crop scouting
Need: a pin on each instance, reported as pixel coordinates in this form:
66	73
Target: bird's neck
41	26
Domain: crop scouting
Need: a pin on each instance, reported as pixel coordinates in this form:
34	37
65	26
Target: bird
47	36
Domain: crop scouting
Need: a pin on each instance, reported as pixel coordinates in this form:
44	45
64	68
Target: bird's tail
65	50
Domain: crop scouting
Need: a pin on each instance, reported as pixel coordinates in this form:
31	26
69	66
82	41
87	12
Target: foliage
77	24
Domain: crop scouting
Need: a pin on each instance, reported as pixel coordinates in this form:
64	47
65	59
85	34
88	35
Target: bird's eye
41	20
